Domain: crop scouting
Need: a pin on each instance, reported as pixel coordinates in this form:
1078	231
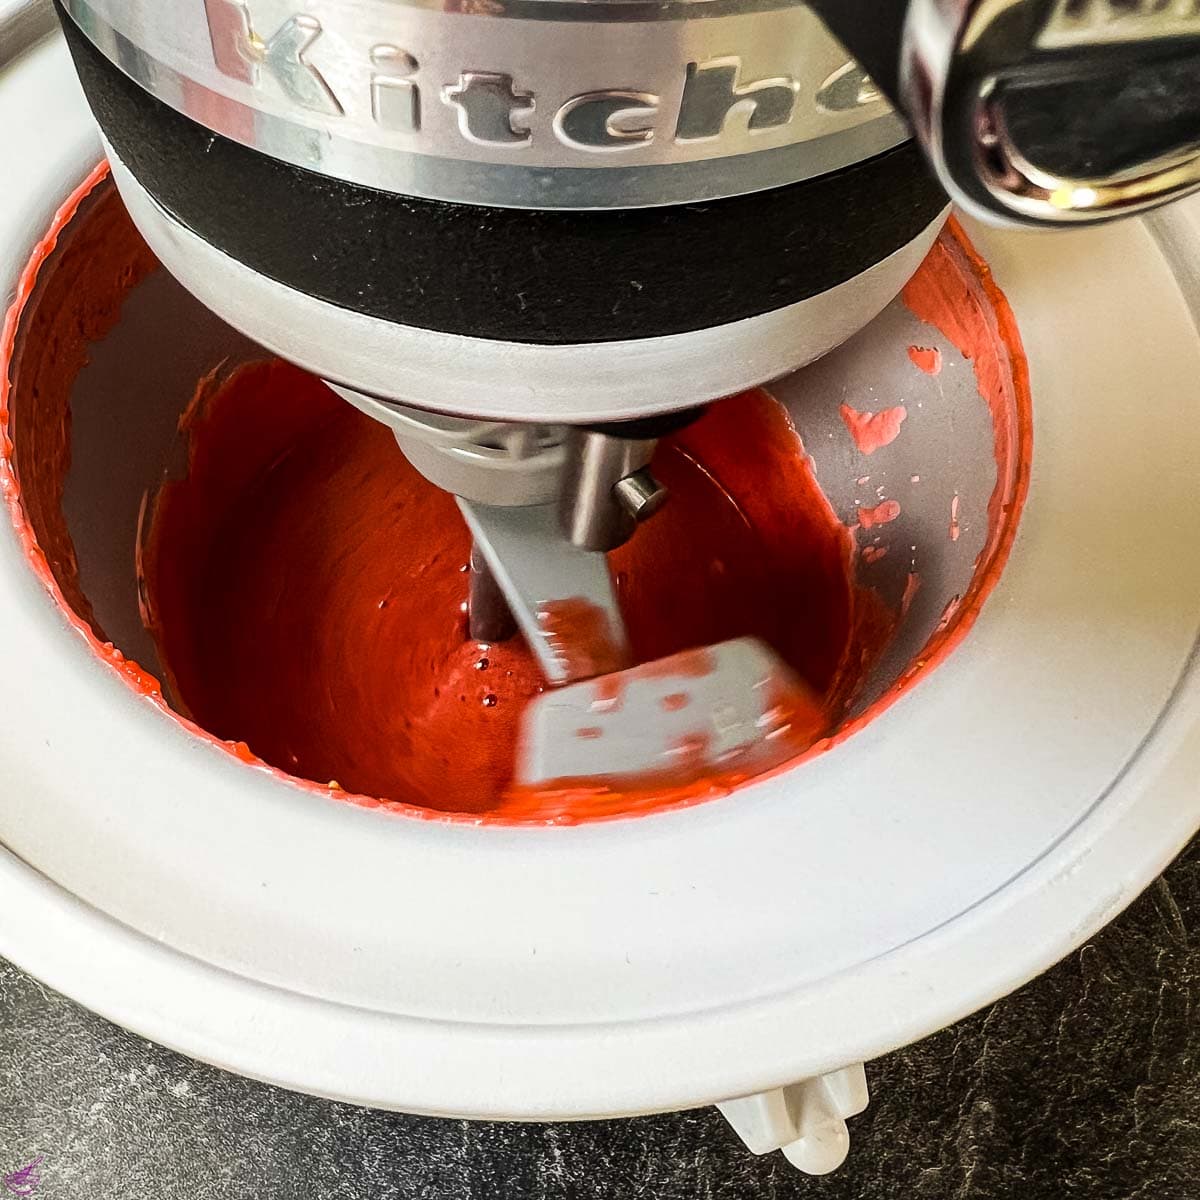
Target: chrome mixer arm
1041	111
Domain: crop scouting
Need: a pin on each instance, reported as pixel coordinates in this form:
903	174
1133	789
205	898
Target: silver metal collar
535	103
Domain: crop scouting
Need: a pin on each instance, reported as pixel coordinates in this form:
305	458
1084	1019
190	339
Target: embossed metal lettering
713	91
395	98
229	29
424	96
606	121
487	106
242	54
1088	22
848	88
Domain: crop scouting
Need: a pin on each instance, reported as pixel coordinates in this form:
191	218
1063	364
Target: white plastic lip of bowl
966	840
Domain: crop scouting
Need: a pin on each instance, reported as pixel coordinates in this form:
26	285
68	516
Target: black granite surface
1085	1085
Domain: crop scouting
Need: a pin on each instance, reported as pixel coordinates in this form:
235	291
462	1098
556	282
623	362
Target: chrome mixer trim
576	383
963	61
603	10
472	108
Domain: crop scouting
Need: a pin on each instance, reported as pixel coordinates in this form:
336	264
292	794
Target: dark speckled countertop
1085	1085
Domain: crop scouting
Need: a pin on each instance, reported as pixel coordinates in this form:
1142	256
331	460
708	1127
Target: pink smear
872	554
929	359
912	585
955	529
873	431
881	514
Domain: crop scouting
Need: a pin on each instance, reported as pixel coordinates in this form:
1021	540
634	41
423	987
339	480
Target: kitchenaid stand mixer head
533	239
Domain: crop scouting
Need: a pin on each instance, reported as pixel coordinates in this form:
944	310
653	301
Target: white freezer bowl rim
631	967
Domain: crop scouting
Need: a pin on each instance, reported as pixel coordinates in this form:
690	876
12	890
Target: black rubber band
511	274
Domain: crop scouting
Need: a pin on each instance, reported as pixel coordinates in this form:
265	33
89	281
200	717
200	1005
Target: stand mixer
529	314
534	240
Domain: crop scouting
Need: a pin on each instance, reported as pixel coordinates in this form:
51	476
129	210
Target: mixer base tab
806	1120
